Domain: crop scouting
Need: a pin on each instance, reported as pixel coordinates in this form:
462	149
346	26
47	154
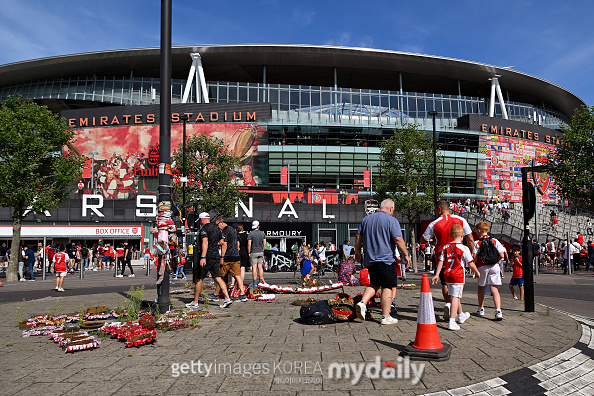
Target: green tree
573	168
34	175
406	168
209	168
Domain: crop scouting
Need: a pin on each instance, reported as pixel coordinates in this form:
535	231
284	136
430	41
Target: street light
433	114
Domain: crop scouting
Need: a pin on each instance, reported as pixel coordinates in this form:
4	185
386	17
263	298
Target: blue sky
552	40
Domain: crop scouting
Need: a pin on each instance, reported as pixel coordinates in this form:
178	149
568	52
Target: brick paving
549	348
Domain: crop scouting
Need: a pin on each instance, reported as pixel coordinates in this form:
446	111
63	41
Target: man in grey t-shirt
256	243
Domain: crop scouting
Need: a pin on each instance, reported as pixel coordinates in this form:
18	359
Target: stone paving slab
267	333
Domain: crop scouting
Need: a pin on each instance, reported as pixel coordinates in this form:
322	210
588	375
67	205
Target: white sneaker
226	303
446	312
61	289
361	311
119	276
453	325
463	317
22	280
498	315
192	305
480	312
515	297
388	320
95	269
131	276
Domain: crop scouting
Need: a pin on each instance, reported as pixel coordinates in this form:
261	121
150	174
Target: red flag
366	181
283	175
86	173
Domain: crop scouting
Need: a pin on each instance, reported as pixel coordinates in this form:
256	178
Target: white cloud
303	17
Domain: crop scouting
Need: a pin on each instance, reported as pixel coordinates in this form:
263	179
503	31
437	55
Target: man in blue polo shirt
380	234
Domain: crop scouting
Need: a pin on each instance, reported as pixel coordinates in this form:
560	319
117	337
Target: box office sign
65	231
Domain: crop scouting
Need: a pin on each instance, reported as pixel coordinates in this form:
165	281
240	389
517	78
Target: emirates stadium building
320	111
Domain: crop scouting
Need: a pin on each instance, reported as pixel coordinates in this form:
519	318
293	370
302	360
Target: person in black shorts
380	235
244	257
210	260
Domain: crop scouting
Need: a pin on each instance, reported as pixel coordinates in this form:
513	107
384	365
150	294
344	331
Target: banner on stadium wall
500	174
127	157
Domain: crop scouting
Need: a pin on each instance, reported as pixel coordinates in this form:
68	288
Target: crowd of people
555	254
75	257
452	253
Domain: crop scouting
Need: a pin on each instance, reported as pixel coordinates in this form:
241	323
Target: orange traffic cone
427	345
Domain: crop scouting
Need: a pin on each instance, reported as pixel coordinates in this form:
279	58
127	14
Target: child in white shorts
490	274
454	258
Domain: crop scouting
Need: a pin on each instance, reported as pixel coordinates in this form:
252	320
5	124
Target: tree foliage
406	169
573	168
33	172
209	168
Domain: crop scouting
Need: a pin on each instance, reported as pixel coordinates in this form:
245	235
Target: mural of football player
247	177
109	187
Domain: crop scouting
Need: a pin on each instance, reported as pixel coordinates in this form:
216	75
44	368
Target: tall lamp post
433	114
163	300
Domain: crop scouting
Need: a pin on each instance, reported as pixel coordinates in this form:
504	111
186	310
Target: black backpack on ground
317	314
488	253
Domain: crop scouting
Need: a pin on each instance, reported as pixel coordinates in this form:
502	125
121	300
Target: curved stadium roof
305	65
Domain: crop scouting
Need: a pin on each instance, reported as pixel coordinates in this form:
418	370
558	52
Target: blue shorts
305	267
516	281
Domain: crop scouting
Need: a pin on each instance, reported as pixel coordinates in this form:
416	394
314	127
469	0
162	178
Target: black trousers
125	262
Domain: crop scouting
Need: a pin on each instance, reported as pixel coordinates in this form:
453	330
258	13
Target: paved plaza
526	353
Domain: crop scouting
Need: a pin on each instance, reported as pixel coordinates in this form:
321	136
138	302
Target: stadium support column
165	205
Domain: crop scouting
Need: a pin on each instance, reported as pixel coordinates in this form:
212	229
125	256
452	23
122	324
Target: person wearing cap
256	243
210	260
230	262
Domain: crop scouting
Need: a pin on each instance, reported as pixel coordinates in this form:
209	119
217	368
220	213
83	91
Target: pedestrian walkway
526	353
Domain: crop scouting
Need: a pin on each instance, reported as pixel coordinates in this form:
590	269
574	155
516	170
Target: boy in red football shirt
60	266
518	274
456	257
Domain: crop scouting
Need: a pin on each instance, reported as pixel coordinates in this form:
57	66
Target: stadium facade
321	111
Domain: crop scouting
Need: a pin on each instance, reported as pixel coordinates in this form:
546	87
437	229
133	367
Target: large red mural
126	158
